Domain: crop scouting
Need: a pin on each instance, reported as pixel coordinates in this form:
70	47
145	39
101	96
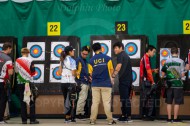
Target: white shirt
68	65
22	69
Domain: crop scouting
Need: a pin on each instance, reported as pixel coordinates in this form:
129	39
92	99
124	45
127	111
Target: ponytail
63	55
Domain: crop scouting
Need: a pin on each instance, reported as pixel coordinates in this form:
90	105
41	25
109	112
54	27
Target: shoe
34	122
169	120
25	122
73	120
92	123
129	120
123	119
67	119
3	122
149	118
177	121
82	117
7	118
111	123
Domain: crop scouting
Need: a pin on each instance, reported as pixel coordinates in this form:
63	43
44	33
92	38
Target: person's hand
156	70
187	67
86	79
90	79
112	80
153	86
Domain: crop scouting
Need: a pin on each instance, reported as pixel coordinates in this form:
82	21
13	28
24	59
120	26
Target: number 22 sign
53	28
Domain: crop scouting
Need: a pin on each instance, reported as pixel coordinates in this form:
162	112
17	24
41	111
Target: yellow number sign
53	28
121	27
186	27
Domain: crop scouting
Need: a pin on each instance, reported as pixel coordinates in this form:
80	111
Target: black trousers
87	107
124	91
21	88
69	88
147	102
3	100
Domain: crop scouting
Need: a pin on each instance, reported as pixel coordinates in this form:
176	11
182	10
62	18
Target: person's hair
150	47
86	48
174	50
118	44
96	47
25	51
6	45
63	55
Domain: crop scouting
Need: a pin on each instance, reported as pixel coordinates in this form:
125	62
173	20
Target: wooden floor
101	122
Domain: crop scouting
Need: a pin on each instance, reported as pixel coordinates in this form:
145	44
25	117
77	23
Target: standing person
25	70
83	80
174	71
147	84
6	70
124	69
187	62
101	69
68	86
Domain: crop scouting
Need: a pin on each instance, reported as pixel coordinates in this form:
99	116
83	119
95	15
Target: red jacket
145	69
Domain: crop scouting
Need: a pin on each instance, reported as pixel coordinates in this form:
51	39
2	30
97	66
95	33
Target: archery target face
165	53
1	46
106	46
136	75
57	48
54	76
37	50
132	48
39	75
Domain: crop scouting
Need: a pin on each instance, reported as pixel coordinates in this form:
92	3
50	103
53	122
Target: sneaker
92	123
129	120
67	119
177	120
122	119
3	122
24	122
35	122
73	120
7	118
82	117
169	120
149	118
111	123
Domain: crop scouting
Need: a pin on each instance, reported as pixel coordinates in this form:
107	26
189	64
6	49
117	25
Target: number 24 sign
53	28
186	27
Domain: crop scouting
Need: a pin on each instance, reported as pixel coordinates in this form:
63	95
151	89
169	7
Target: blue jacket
82	70
100	66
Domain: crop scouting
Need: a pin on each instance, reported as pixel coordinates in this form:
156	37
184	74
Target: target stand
134	46
45	52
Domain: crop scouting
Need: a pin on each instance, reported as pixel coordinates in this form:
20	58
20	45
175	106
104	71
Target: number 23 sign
53	28
121	27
